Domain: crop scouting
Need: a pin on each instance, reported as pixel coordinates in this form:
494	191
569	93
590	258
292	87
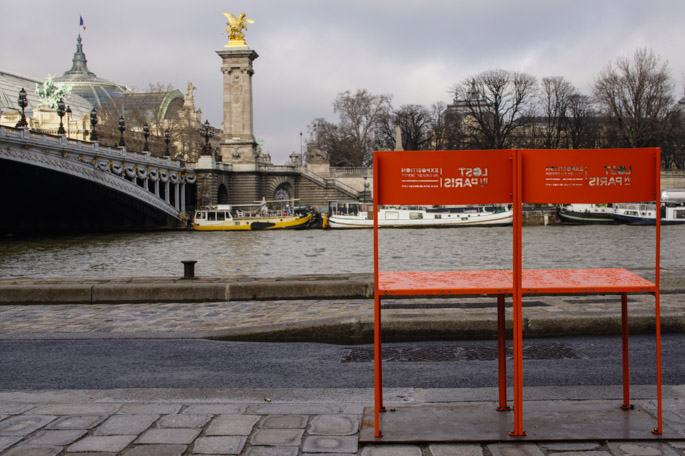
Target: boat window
199	215
438	216
211	216
220	215
679	214
392	215
415	215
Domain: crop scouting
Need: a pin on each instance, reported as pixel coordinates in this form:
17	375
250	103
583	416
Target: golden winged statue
235	27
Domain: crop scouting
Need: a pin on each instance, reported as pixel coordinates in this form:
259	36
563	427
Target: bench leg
626	356
518	369
378	366
659	426
502	354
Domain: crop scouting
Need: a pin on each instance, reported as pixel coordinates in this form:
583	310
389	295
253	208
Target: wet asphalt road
109	364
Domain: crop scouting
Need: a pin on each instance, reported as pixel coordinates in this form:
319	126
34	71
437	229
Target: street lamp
122	127
68	119
93	123
206	132
146	134
23	103
60	113
366	187
167	140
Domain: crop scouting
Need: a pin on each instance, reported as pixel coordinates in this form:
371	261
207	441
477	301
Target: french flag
81	24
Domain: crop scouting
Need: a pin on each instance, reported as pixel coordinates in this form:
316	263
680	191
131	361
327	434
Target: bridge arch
282	187
81	186
222	194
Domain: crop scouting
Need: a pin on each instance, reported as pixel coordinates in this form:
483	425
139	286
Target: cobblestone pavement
211	318
282	422
223	422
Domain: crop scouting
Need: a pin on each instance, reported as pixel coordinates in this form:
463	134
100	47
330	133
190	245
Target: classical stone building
161	108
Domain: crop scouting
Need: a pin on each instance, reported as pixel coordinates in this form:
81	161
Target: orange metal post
378	369
657	305
626	355
378	351
502	354
518	328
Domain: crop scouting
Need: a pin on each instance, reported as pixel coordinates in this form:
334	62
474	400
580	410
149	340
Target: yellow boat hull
256	224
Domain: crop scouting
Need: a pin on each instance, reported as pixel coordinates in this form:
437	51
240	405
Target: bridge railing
322	181
330	182
348	171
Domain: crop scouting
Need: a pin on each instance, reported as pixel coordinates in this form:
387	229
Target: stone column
238	144
183	198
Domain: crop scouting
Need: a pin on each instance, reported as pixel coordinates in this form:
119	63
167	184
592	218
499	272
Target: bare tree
416	125
454	136
495	101
673	144
439	125
331	139
555	98
636	93
359	114
582	122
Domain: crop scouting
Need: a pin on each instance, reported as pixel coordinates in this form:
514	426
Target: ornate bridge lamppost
206	133
68	112
93	123
167	140
60	112
122	128
146	134
23	103
366	187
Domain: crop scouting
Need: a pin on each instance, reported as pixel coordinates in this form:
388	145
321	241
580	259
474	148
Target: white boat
360	215
672	213
643	213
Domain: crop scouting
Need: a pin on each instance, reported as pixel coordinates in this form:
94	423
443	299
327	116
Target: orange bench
515	176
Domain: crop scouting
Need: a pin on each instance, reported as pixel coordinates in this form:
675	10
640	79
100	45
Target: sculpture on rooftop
52	92
234	29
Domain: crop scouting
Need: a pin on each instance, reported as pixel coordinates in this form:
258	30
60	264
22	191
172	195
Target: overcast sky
311	50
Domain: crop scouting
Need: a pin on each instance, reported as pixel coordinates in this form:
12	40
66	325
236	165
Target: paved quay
287	422
337	309
297	422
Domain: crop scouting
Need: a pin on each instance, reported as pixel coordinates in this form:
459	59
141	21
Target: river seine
279	253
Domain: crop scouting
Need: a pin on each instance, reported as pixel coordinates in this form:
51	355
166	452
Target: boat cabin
216	213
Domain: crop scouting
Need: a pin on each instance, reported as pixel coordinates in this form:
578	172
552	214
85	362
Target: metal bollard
189	269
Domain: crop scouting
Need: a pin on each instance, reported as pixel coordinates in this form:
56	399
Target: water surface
277	253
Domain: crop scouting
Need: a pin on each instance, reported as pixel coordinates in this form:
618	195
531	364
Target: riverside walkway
337	309
291	422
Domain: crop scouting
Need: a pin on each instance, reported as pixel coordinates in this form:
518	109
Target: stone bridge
54	184
246	183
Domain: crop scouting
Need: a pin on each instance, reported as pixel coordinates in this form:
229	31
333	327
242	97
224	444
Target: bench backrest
443	177
590	176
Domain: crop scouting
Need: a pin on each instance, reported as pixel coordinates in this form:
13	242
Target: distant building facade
160	108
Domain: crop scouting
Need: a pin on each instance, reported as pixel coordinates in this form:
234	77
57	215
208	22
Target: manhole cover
446	353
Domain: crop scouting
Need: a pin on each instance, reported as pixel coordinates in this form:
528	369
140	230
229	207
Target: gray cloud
310	50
